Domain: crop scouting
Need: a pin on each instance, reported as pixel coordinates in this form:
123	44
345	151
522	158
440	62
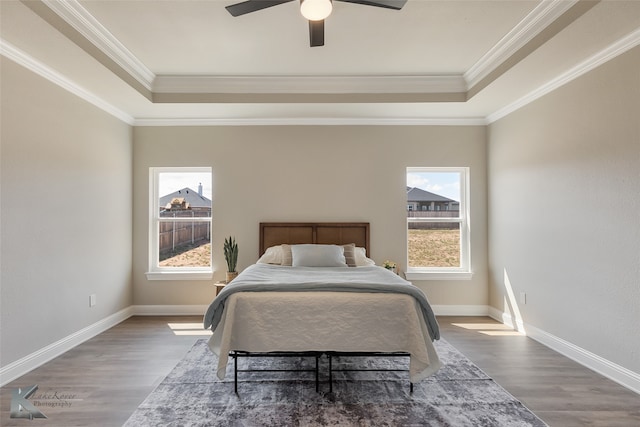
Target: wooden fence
174	235
433	225
432	214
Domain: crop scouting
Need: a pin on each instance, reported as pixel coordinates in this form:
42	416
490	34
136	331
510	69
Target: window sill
438	275
179	275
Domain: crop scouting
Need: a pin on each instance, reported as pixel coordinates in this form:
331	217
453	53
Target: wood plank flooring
560	391
102	381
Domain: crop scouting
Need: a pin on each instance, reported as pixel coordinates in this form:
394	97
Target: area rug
458	395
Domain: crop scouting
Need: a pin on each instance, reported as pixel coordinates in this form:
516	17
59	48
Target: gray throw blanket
266	277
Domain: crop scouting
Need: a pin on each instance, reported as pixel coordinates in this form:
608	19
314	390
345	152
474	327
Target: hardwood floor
560	391
102	381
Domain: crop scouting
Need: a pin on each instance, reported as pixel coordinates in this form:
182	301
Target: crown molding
533	24
314	121
86	24
310	84
11	52
621	46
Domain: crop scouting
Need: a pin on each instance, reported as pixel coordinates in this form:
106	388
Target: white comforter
324	321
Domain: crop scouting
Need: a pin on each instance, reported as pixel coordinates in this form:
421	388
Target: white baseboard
30	362
507	319
614	372
169	310
460	310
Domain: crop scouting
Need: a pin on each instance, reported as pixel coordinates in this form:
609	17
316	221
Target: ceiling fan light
316	10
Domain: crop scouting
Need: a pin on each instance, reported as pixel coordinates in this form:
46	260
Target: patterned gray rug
458	395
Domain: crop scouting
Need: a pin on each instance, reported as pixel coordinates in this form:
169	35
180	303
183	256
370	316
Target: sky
445	184
173	181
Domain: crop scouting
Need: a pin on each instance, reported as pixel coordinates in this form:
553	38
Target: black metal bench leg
235	373
330	374
317	379
410	387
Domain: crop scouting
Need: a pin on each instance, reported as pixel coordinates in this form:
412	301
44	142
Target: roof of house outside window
191	197
415	194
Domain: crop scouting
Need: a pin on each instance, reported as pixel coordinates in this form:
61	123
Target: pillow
317	256
286	255
350	254
361	258
272	255
281	255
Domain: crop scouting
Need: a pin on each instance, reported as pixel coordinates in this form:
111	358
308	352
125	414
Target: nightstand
219	285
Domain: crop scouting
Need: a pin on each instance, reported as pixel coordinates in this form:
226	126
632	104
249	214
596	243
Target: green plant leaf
231	253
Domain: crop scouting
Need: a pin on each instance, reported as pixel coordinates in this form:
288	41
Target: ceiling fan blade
252	6
387	4
316	33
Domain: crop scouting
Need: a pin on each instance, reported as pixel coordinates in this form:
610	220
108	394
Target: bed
338	305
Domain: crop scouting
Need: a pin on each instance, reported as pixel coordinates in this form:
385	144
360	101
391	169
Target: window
180	223
438	226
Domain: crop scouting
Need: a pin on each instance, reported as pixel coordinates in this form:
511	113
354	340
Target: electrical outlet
92	300
523	298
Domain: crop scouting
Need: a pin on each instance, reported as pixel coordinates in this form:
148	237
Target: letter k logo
21	407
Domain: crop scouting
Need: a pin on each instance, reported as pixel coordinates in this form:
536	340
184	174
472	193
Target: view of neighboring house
186	199
176	236
422	200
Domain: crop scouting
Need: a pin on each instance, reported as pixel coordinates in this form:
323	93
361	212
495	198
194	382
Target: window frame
155	271
463	272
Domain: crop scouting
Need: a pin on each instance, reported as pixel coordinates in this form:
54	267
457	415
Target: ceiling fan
315	11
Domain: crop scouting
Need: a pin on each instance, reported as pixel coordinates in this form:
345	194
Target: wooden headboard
292	233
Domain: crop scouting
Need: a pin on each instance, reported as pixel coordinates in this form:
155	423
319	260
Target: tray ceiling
431	62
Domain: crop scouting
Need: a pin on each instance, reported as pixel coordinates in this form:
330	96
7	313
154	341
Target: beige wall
65	213
564	209
307	173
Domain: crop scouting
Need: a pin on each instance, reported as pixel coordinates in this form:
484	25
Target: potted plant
390	265
231	255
